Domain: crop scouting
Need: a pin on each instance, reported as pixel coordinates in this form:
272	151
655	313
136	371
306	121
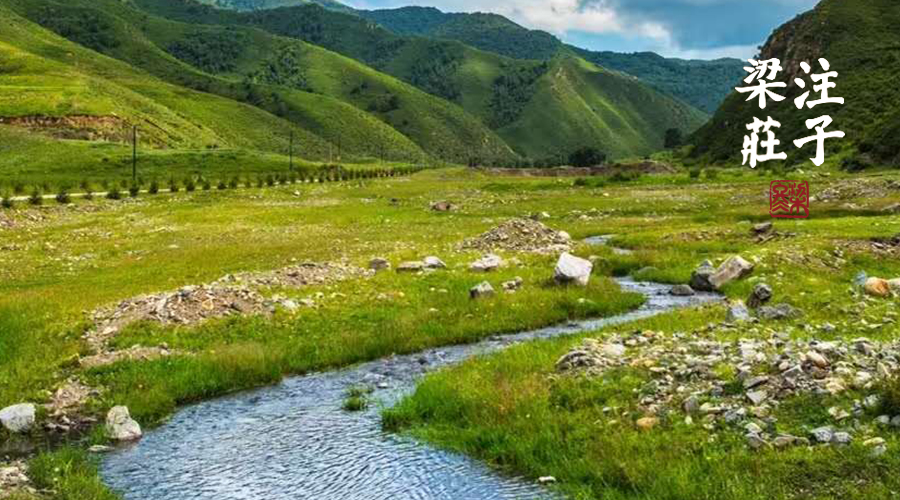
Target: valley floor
609	426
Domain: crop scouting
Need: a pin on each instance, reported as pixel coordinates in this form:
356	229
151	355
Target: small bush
712	174
63	197
260	182
113	193
190	186
154	187
85	186
6	202
221	186
270	180
36	198
88	195
206	185
134	190
889	390
173	186
18	188
235	183
694	173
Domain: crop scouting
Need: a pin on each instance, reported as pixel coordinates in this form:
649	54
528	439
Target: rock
737	312
732	269
894	285
512	286
822	434
784	441
486	264
876	441
434	263
647	423
571	269
481	290
817	359
752	428
778	312
691	405
410	267
841	438
120	426
860	279
546	479
99	448
17	418
379	264
700	277
763	228
757	397
753	382
443	206
613	350
877	287
755	441
682	291
762	294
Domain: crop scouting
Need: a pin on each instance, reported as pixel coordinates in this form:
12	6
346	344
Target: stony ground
156	302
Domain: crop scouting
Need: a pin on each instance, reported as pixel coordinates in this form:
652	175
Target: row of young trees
121	189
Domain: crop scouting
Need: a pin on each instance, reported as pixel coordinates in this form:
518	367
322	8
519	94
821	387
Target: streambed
295	441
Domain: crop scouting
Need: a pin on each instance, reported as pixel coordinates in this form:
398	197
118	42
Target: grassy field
58	263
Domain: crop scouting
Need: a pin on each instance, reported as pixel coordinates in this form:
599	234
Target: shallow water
294	441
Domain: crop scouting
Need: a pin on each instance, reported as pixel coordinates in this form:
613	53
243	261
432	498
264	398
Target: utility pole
134	154
291	151
339	148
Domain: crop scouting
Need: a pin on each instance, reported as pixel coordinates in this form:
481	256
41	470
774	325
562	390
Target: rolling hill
357	110
861	42
510	95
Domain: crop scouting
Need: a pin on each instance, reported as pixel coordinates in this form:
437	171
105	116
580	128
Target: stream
294	440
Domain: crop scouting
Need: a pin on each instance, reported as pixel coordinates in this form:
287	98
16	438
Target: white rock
120	426
434	263
481	290
17	418
732	269
571	269
488	263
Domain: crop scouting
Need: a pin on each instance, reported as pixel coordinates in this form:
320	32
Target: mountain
703	84
862	43
347	106
540	108
251	5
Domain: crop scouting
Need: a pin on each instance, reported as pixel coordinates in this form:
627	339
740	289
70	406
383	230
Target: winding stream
294	440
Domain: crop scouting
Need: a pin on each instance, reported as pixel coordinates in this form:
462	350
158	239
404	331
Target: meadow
59	263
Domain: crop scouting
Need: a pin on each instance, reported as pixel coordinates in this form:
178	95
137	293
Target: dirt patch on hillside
82	127
521	235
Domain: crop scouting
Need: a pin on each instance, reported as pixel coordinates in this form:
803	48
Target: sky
693	29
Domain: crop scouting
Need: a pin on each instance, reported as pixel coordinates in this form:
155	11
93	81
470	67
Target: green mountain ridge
502	92
862	44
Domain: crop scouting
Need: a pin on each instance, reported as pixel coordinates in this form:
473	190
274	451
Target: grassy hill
509	95
357	109
861	42
250	5
703	84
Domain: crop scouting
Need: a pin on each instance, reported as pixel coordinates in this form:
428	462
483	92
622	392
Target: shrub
206	185
587	157
113	193
712	173
173	186
221	186
889	390
85	185
154	187
63	197
6	202
695	173
189	185
581	182
18	188
88	195
35	198
260	182
235	183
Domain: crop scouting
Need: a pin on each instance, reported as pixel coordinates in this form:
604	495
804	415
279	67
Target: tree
587	157
673	138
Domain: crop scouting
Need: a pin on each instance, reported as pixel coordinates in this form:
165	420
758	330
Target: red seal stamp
789	199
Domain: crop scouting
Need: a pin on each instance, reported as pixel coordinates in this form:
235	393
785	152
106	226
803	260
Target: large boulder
120	426
732	269
571	269
17	418
488	263
700	277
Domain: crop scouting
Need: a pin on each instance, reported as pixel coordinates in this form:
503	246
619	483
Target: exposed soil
521	235
83	127
644	167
